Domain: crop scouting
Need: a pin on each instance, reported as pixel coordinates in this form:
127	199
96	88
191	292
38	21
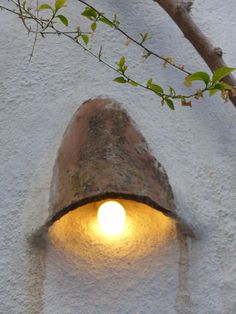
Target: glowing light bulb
111	217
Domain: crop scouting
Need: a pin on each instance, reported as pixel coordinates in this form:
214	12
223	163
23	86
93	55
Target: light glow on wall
78	234
111	217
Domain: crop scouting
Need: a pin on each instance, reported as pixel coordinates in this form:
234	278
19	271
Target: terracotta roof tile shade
102	156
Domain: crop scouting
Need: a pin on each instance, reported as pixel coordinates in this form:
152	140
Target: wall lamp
104	165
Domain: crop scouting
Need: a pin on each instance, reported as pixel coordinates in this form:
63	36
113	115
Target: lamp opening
111	216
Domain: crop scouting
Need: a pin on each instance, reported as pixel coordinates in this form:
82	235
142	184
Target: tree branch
149	51
179	11
25	13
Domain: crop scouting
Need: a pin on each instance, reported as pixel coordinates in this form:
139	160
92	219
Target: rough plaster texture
196	146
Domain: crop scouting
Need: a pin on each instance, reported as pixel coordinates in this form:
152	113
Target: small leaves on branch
146	55
169	103
90	13
220	73
95	16
197	76
45	6
144	37
212	84
63	19
120	79
58	5
157	89
115	21
93	26
167	60
121	66
85	39
104	20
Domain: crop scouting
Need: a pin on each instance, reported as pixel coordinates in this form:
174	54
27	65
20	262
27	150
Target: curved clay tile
102	156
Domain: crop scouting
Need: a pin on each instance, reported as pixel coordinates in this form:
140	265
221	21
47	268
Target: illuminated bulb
111	217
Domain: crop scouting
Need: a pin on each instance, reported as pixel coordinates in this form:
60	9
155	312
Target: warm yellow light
111	217
79	236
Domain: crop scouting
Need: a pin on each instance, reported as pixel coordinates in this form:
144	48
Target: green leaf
120	79
122	61
93	26
90	13
156	88
146	54
115	21
199	76
226	86
170	103
172	91
149	82
144	37
44	6
105	21
218	87
213	91
220	73
133	83
85	39
63	19
59	4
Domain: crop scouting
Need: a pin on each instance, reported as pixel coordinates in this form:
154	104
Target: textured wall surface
196	146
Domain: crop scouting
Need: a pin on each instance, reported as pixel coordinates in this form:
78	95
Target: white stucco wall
196	146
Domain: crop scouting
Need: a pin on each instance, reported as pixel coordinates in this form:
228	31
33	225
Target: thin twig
150	52
9	10
98	57
36	33
21	15
43	23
